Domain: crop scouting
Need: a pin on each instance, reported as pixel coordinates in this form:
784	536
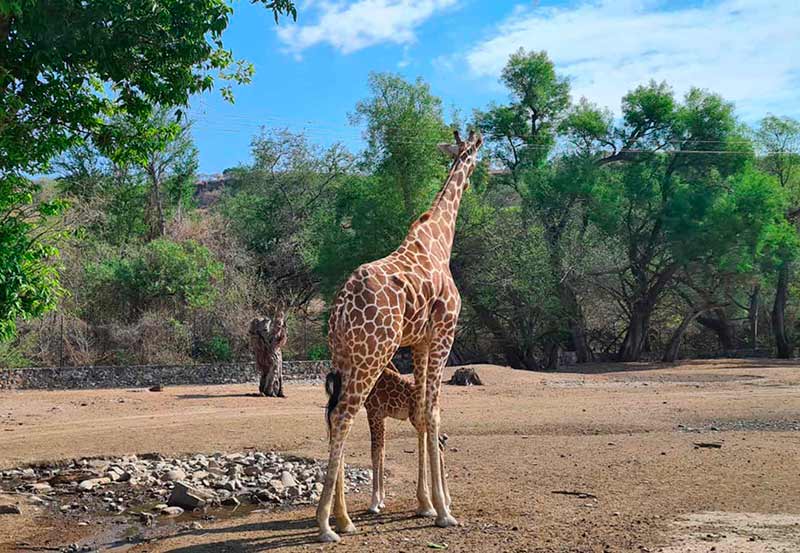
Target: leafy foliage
273	205
71	71
404	123
28	280
160	274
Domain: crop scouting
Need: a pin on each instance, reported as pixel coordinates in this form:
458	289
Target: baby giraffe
393	396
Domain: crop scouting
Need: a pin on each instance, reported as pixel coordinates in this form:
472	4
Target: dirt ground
623	435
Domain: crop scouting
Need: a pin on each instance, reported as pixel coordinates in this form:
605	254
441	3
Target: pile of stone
151	485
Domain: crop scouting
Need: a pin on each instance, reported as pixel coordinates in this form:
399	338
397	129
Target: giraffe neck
445	206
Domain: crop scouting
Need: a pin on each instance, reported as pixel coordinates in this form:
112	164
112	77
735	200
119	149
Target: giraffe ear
450	150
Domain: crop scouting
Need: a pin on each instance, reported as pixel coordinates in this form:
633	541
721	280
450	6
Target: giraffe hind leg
340	418
351	398
424	505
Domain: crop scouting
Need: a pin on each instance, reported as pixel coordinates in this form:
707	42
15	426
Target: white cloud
747	50
352	26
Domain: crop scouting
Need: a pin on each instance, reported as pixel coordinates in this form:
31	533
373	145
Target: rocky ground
700	457
144	488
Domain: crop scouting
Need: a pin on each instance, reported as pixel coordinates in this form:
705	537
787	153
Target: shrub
159	275
218	348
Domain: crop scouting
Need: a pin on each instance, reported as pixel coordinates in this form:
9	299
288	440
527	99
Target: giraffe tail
333	387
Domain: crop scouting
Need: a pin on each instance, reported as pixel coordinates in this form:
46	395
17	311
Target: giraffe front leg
417	417
442	444
377	435
440	349
382	480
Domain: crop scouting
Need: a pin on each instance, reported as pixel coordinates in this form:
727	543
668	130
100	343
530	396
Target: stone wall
138	376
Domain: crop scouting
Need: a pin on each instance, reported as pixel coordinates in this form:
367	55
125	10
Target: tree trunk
267	337
722	327
552	354
782	344
158	224
577	324
674	346
636	335
517	359
752	315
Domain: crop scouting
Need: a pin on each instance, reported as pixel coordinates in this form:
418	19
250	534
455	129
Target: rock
288	480
465	376
172	511
118	474
231	485
277	486
318	487
28	474
174	475
156	388
9	510
267	495
231	501
88	485
41	487
184	495
199	475
196	526
252	471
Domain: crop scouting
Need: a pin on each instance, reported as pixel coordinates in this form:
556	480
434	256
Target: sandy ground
623	434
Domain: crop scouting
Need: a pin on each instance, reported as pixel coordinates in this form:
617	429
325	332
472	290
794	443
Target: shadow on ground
282	534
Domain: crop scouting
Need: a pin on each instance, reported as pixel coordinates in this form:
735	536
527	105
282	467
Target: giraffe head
464	152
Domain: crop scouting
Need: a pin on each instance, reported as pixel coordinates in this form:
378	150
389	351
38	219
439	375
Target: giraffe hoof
426	512
446	521
374	509
329	536
348	528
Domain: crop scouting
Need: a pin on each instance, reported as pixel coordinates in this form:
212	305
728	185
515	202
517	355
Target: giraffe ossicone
408	298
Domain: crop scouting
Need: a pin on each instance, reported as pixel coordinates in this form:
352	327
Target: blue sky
310	74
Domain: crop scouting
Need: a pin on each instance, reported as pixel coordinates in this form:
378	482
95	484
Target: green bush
160	274
319	352
218	348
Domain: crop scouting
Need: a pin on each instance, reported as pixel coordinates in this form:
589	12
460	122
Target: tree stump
465	376
267	337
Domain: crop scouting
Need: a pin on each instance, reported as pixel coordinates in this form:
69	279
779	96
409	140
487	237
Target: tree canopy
70	72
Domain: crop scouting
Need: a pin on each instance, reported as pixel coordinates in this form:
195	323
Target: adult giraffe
408	298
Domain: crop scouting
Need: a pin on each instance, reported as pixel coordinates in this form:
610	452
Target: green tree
662	173
742	223
522	136
400	173
28	279
170	169
66	70
779	140
273	206
159	274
